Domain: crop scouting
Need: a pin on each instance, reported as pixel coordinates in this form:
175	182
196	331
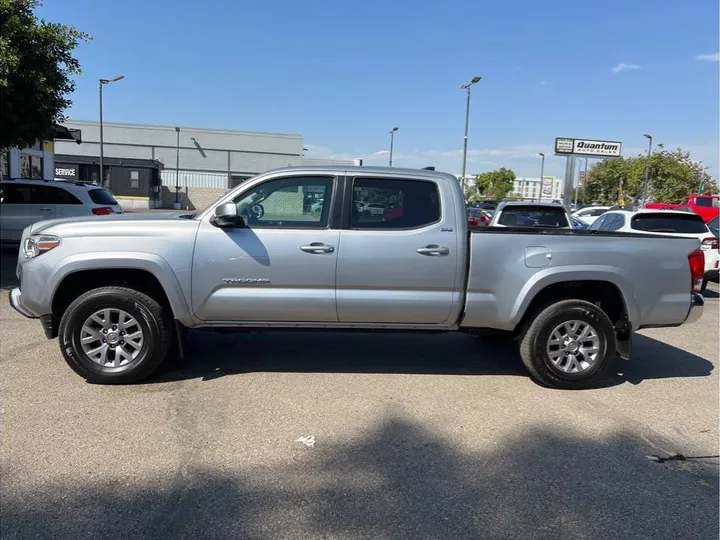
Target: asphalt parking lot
417	437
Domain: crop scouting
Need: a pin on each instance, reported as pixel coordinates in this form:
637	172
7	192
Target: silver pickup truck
290	248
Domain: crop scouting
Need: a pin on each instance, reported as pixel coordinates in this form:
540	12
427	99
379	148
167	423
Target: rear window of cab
669	223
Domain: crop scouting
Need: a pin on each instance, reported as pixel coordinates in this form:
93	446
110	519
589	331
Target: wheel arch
147	272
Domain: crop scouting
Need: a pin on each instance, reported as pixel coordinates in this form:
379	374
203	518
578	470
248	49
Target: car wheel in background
570	345
115	335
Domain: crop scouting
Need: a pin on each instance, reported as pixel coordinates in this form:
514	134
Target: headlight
37	244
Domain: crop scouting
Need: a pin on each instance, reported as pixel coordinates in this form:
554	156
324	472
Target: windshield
670	223
713	226
533	216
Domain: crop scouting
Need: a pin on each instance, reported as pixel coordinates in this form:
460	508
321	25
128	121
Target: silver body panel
372	279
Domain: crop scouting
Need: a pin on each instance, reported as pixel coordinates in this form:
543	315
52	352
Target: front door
280	268
399	265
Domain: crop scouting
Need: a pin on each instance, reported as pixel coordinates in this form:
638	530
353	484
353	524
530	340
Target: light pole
542	172
647	169
101	83
177	171
392	140
467	87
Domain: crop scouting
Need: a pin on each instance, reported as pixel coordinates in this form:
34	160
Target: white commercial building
549	189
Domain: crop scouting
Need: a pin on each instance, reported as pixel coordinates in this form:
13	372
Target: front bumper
16	302
696	308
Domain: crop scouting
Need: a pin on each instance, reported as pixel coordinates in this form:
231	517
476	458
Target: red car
706	206
477	217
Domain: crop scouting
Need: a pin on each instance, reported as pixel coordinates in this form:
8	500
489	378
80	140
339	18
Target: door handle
46	209
433	250
317	247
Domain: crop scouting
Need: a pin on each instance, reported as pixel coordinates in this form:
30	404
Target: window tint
672	223
102	196
597	225
394	204
58	195
533	216
614	222
17	194
598	212
707	202
713	226
302	202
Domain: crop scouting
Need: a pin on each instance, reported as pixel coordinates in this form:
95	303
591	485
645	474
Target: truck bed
508	267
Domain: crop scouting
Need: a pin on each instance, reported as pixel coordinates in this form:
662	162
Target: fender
108	260
550	276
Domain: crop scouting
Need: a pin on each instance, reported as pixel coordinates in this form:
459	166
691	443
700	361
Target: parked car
669	223
24	202
536	215
119	292
373	209
706	206
477	217
589	214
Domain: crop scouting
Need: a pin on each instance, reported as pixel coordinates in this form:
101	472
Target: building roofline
187	128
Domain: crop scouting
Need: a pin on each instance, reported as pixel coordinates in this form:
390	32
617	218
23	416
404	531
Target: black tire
704	285
152	319
534	341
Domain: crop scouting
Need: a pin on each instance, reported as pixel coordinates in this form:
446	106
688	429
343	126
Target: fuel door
537	256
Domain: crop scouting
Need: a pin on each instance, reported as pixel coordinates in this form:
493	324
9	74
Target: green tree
36	70
496	184
673	176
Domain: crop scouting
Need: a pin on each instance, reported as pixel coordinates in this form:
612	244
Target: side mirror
226	216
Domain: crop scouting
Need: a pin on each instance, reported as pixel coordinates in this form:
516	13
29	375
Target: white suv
24	202
666	222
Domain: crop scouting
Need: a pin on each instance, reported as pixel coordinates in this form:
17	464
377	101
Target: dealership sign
587	147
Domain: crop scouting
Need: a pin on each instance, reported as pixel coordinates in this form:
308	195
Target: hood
105	225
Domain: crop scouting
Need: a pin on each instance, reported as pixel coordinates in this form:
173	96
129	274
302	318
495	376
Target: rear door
22	205
401	266
66	203
280	268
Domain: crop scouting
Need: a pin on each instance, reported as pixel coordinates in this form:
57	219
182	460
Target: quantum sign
588	147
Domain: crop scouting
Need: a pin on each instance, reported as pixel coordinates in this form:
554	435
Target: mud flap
624	347
181	336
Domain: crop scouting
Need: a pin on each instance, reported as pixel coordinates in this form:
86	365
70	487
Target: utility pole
392	140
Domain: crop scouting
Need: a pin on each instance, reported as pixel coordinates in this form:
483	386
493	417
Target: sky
342	74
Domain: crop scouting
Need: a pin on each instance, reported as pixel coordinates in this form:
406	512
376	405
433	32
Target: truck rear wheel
115	335
569	345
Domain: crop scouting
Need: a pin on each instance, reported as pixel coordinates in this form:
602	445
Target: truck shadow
211	356
8	262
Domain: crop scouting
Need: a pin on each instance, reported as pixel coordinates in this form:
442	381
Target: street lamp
101	83
647	169
542	172
177	171
392	139
467	87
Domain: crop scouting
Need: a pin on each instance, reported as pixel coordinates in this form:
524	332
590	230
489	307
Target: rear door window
380	203
102	196
533	216
669	223
55	195
707	202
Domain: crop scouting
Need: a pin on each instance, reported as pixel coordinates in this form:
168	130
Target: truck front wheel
569	345
115	335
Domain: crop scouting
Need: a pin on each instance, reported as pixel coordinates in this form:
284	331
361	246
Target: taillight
712	242
696	261
102	211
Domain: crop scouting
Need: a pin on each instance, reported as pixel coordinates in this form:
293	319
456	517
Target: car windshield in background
670	223
102	196
713	226
532	216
